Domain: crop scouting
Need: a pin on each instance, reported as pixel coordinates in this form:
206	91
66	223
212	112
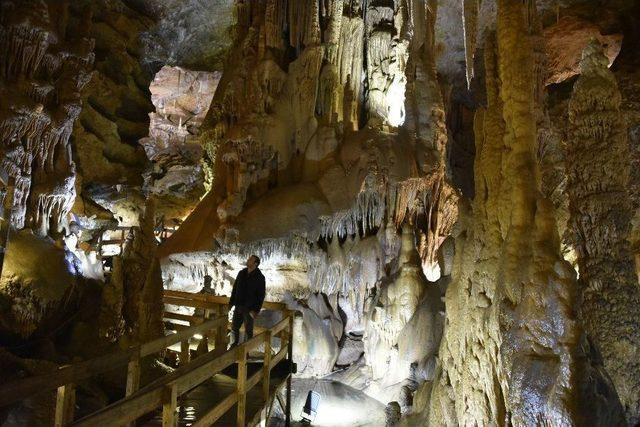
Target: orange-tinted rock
565	42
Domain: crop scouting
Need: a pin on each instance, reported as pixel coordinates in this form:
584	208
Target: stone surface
565	41
600	215
182	98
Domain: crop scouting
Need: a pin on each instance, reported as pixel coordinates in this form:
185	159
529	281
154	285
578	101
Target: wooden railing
65	378
165	391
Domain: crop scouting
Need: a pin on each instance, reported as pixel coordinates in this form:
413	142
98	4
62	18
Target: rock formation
182	99
509	272
445	191
45	68
600	215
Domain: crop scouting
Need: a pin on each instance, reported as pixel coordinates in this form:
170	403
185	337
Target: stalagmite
600	212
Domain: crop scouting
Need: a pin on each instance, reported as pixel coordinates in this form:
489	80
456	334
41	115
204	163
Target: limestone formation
445	192
182	99
45	69
565	41
600	215
508	270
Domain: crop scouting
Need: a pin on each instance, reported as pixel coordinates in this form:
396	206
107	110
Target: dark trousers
241	315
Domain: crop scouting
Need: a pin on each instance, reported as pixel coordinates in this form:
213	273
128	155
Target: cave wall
513	346
600	222
44	68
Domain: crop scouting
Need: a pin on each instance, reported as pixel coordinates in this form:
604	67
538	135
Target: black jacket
248	290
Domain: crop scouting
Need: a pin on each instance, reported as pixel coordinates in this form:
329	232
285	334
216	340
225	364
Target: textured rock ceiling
191	33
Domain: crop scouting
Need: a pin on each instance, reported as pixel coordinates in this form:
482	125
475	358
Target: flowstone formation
600	216
322	143
513	348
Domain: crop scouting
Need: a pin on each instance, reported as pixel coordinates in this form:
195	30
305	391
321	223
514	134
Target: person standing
206	289
247	297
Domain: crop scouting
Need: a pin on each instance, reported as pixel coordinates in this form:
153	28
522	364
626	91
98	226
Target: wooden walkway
218	387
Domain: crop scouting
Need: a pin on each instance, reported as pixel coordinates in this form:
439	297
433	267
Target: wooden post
133	379
266	368
206	334
242	385
184	352
65	405
290	357
221	333
169	405
133	375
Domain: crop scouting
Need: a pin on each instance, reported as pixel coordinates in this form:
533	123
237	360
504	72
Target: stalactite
597	161
334	26
312	35
275	18
433	199
470	26
23	48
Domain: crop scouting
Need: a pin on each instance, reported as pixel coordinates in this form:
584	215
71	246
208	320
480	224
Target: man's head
253	262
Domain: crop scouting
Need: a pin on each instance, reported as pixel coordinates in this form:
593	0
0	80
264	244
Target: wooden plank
280	326
65	405
220	409
17	390
266	367
124	411
150	397
188	302
253	343
164	342
290	357
169	406
220	345
272	397
133	376
200	372
185	352
278	357
242	387
254	379
216	299
133	380
180	316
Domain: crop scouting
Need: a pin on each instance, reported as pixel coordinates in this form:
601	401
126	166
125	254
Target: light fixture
310	409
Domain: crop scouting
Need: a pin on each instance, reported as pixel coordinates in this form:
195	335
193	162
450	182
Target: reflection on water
340	404
187	414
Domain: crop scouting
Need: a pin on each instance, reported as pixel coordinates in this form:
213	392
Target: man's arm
260	292
232	300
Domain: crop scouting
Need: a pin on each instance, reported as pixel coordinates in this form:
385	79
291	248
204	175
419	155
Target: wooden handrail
164	392
189	376
17	390
215	299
